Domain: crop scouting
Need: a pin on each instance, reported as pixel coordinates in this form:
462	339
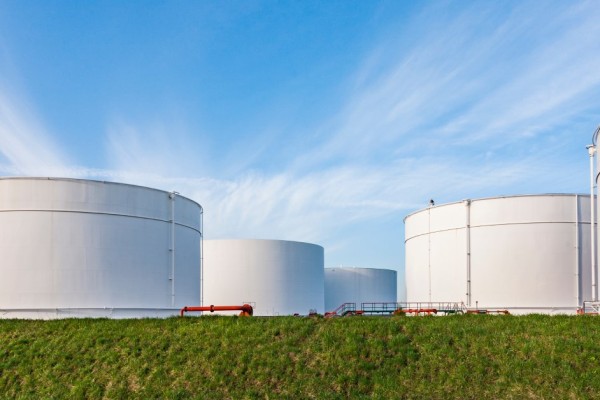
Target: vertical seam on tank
429	250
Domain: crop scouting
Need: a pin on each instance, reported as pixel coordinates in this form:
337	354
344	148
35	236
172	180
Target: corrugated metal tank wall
359	285
277	277
525	253
86	248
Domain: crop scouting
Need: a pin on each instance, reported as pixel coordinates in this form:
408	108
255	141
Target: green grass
462	357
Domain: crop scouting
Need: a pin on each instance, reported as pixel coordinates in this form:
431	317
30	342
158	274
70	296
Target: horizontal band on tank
59	313
505	224
104	213
85	308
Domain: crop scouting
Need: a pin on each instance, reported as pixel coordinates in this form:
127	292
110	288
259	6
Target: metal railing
342	310
389	308
590	307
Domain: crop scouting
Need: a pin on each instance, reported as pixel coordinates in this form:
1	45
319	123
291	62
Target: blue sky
316	121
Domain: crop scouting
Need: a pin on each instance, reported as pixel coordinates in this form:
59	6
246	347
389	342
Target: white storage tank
359	285
526	253
81	248
276	277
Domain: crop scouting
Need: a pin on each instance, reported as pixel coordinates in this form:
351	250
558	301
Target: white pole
468	239
429	249
172	196
592	152
577	256
201	256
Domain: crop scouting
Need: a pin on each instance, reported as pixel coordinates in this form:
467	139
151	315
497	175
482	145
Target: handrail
344	307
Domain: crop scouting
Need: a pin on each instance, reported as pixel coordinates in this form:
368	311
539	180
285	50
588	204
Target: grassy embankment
361	357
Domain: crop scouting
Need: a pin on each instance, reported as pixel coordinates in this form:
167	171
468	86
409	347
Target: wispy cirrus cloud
471	77
310	207
25	145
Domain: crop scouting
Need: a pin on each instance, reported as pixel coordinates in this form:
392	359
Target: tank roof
357	268
50	178
256	239
497	197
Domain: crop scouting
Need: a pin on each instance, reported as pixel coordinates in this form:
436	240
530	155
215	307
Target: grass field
462	357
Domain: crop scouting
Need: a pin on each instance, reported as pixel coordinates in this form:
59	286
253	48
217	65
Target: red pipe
246	309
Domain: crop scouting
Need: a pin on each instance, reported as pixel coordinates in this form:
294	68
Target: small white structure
521	253
81	248
359	285
276	277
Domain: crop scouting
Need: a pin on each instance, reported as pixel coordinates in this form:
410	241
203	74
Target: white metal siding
528	253
278	277
88	248
359	285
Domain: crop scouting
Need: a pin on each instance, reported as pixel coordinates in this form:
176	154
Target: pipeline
246	309
479	311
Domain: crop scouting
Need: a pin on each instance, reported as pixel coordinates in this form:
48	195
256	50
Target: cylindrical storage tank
359	285
522	253
276	277
81	248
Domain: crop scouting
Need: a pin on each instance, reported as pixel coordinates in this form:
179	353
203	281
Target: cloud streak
471	79
24	143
